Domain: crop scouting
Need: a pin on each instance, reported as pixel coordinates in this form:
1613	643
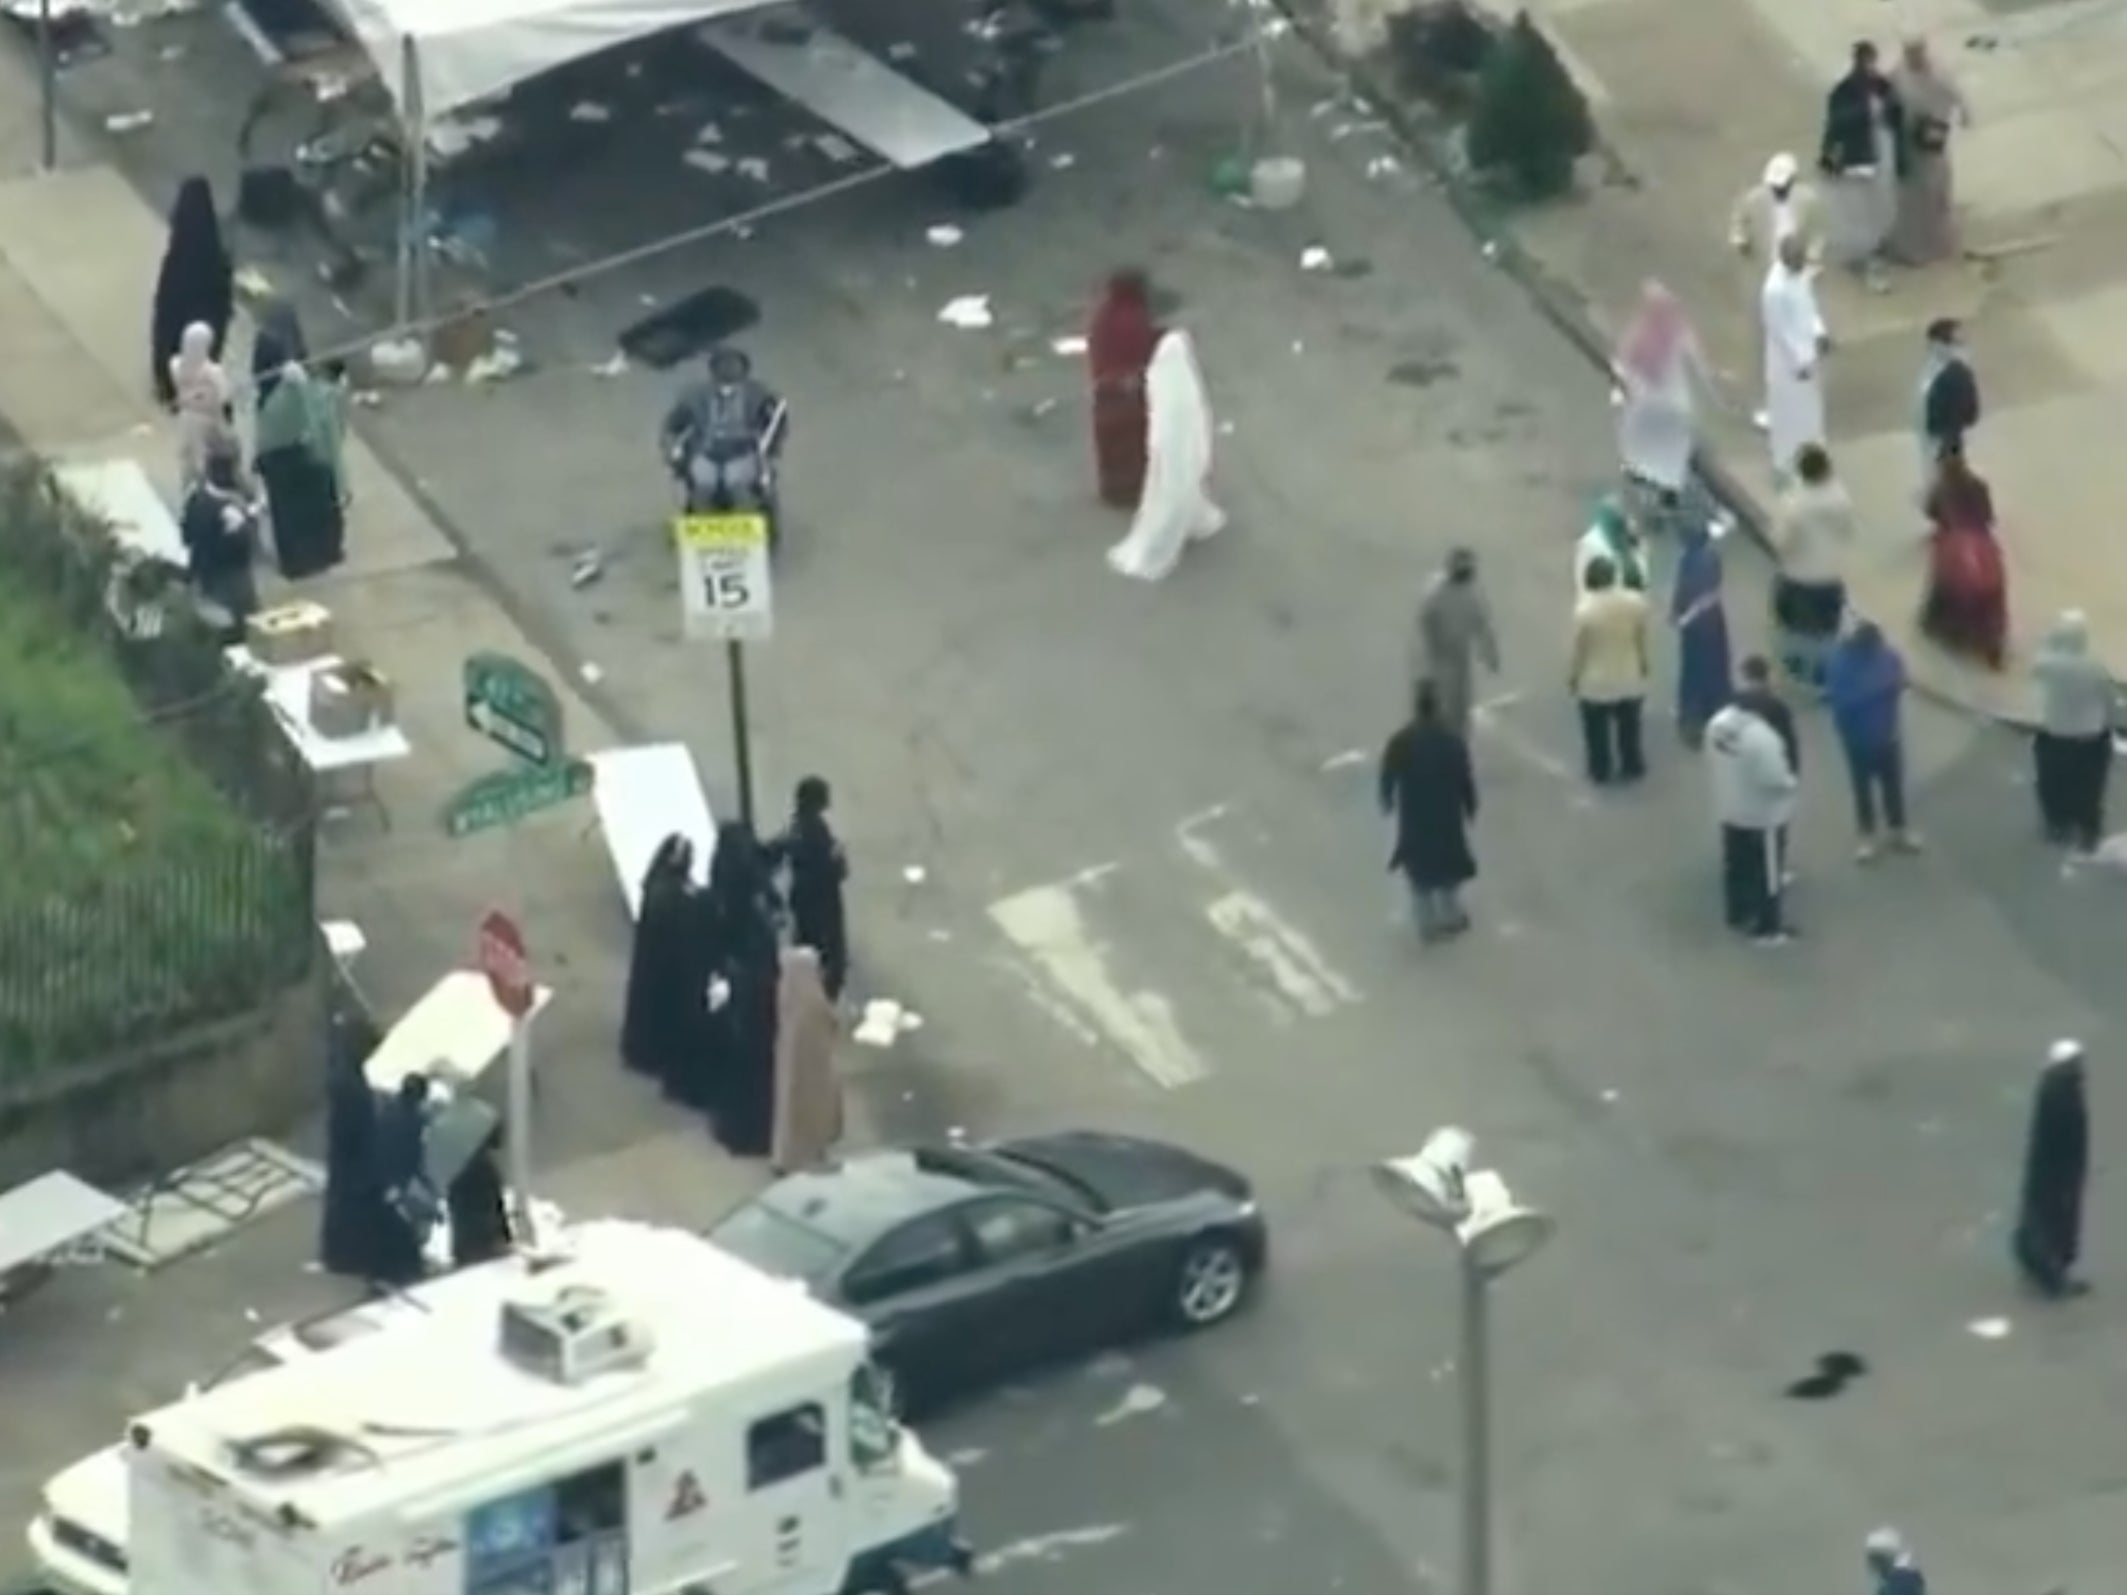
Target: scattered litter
837	148
592	674
589	111
128	121
1299	346
616	366
900	50
366	399
1068	347
253	283
970	313
707	161
1609	1095
170	52
1380	166
589	567
1225	429
251	1316
1136	1402
940	935
943	236
1063	161
884	1022
753	168
915	874
1251	1401
398	360
709	133
1835	1371
966	1457
328	87
505	359
646	299
1989	1328
1315	258
1491	249
1040	408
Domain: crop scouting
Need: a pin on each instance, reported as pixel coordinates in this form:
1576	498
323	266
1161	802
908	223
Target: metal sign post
509	976
726	593
48	84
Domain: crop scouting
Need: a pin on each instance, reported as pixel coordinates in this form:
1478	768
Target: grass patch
155	868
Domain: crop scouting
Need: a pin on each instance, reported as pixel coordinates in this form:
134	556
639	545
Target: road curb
1560	305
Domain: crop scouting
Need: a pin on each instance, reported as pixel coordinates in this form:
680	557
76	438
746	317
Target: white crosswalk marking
1302	983
1048	926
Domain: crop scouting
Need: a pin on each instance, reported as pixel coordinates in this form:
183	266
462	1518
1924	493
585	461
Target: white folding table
40	1220
453	1035
120	492
642	796
845	87
347	765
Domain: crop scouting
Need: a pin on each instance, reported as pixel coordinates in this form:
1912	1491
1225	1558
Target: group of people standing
1153	437
294	489
728	1019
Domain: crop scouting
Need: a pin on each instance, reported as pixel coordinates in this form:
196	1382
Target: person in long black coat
197	282
818	867
410	1202
658	1024
479	1211
1427	785
2049	1220
745	964
354	1230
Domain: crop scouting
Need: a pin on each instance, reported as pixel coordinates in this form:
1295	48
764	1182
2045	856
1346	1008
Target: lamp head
1498	1233
1431	1184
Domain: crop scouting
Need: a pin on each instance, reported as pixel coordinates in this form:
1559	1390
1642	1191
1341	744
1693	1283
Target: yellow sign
722	533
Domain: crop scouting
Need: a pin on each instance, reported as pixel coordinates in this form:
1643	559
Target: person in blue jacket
1864	682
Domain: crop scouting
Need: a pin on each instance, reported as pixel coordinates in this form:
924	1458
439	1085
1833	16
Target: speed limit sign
724	576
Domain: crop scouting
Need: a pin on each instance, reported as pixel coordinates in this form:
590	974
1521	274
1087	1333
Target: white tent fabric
471	50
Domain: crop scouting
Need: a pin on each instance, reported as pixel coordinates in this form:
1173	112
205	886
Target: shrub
1436	49
1531	122
145	885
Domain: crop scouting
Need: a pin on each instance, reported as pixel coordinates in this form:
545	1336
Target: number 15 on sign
724	577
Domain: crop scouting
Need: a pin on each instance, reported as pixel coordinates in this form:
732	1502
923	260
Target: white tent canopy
459	52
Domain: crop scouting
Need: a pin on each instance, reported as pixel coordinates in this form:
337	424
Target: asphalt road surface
1152	896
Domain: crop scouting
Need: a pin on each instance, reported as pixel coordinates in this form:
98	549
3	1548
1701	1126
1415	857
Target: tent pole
411	299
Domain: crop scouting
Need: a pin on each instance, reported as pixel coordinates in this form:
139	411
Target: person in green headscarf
1610	536
298	459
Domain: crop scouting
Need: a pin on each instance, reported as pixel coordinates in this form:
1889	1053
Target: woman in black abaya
745	957
196	283
2049	1221
658	1028
818	868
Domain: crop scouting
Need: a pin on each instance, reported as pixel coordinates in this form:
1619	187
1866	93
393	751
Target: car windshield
776	1243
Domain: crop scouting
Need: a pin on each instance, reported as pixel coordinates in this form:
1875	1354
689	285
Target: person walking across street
1891	1565
1609	675
1453	637
1864	684
2072	750
1427	786
1813	528
1949	397
1757	692
2049	1218
1795	344
1701	622
1862	154
1754	798
1926	227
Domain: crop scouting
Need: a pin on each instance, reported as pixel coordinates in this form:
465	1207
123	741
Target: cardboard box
289	635
348	699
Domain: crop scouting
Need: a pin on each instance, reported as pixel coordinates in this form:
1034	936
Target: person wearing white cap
1778	204
2049	1219
1892	1566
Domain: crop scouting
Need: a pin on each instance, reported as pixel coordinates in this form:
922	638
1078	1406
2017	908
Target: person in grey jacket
1754	798
2072	752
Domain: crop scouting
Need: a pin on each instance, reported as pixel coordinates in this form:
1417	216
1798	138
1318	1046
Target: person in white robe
1795	342
1657	368
1177	508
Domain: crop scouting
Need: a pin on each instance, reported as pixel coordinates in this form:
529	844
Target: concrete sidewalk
1693	95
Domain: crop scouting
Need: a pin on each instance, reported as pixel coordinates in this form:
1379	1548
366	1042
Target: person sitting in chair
724	436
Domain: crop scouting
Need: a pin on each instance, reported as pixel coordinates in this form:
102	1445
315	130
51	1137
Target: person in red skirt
1119	344
1967	604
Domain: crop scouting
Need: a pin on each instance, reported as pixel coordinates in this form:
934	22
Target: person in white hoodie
1754	797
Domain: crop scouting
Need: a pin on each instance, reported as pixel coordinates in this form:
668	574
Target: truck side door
796	1534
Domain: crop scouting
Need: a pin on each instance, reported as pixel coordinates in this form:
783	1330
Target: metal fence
160	942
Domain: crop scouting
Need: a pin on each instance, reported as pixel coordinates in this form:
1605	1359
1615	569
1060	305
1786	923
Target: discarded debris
1989	1328
617	365
900	50
753	168
970	313
915	874
1380	166
587	568
251	283
1315	258
884	1022
503	359
592	674
707	161
1835	1371
328	87
709	133
1063	161
1068	347
943	236
589	111
128	121
836	148
400	361
170	52
366	399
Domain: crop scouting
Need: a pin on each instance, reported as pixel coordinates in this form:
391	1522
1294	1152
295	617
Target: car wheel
1211	1283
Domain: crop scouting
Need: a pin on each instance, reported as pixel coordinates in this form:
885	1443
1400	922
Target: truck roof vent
572	1335
296	1452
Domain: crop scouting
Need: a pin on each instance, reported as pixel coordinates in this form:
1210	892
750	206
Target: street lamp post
1493	1234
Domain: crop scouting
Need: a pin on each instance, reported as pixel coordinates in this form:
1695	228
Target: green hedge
154	845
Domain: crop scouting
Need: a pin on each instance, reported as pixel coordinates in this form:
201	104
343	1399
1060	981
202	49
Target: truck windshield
776	1243
874	1436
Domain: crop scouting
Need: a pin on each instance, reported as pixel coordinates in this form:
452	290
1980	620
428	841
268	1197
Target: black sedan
971	1263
